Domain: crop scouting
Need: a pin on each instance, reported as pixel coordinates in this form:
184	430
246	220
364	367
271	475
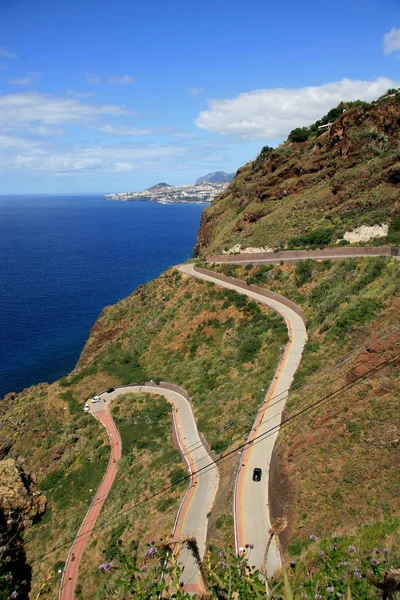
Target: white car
86	407
95	399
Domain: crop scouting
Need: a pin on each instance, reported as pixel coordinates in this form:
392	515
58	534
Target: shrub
264	153
299	134
319	237
303	272
394	231
177	475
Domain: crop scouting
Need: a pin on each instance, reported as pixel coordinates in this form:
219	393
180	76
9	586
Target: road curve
191	520
251	507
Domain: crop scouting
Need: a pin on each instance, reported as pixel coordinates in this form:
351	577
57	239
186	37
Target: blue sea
62	259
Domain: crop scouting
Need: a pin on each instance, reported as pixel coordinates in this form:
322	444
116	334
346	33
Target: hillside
335	472
309	193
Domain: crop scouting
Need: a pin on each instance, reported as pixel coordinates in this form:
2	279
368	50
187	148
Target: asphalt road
251	507
70	575
191	520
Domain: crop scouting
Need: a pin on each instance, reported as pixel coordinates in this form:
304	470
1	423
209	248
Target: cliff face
345	177
20	505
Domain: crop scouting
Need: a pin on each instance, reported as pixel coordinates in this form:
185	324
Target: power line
228	455
232	424
276	400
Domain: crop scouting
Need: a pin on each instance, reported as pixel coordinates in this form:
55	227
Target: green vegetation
317	238
308	194
340	459
344	566
394	231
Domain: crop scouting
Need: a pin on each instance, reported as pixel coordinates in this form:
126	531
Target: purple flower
357	573
144	568
317	596
352	549
330	589
321	553
13	594
377	551
292	563
313	538
386	551
152	551
223	564
374	562
118	542
104	567
221	553
343	563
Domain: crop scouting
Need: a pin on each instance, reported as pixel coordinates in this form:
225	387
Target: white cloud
7	53
391	41
20	80
121	80
91	77
12	141
273	113
104	159
195	91
79	94
41	109
123	130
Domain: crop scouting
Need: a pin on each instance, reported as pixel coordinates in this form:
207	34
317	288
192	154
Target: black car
257	474
110	390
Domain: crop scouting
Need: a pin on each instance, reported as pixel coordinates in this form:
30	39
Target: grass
340	456
149	463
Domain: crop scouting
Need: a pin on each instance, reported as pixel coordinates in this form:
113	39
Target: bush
320	237
264	153
394	231
219	446
303	272
300	134
177	475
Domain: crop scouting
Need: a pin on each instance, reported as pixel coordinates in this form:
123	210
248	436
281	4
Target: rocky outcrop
20	505
338	179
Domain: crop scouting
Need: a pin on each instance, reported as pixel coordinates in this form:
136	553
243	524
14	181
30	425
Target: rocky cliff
346	174
20	506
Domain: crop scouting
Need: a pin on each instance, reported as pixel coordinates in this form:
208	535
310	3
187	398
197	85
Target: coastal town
163	193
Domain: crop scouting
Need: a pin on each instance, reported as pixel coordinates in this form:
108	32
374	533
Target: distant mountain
159	186
217	177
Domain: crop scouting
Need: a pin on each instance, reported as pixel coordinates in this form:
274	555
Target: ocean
63	259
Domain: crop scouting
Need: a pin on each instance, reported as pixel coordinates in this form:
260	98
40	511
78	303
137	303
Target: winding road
191	520
251	512
251	502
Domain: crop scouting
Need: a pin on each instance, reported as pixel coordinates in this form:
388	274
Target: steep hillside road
191	520
251	506
293	256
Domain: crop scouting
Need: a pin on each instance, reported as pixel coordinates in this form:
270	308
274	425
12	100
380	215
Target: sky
99	96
